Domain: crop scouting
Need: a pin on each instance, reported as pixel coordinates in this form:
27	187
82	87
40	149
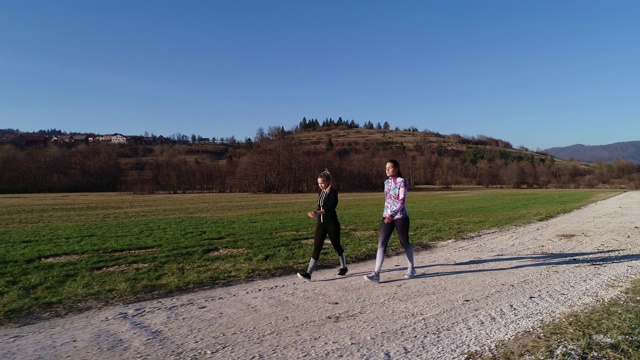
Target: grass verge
63	253
610	330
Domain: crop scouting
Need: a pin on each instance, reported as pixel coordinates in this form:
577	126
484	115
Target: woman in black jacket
327	224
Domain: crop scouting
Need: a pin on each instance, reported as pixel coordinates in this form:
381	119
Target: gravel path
468	295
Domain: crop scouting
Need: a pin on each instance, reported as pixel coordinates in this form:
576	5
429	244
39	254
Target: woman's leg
383	240
318	242
333	230
402	227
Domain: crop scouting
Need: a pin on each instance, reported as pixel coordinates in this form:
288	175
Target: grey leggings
402	227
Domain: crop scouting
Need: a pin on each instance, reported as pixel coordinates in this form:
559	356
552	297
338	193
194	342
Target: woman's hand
311	214
388	220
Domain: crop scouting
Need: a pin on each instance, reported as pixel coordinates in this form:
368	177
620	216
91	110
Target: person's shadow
595	258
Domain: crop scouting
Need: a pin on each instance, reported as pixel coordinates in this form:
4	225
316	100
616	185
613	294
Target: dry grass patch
229	251
364	233
133	252
289	233
63	258
66	258
310	241
123	267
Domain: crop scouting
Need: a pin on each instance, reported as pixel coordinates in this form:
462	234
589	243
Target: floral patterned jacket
395	191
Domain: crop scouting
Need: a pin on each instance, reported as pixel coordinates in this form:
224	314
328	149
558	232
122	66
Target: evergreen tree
329	144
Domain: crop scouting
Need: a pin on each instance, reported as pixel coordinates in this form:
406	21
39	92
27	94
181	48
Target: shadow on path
555	259
595	258
534	260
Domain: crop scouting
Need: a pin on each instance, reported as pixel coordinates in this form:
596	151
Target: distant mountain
629	150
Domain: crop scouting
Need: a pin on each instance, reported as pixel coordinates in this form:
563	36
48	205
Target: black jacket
328	202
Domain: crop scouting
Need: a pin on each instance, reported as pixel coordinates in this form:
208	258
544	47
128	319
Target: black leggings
402	228
331	228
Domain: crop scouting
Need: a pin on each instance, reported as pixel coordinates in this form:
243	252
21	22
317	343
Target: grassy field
63	253
610	330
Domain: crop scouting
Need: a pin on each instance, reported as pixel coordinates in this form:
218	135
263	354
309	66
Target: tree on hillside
488	173
260	135
248	143
276	132
449	170
329	146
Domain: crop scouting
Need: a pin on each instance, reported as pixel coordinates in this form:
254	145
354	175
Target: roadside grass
610	330
62	253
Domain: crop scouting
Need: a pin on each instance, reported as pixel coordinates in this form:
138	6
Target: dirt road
468	295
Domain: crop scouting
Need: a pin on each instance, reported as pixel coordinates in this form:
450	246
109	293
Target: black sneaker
304	275
343	271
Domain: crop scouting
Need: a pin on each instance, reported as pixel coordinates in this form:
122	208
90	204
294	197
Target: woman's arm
397	203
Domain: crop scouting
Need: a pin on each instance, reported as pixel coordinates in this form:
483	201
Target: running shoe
343	271
410	273
304	275
373	277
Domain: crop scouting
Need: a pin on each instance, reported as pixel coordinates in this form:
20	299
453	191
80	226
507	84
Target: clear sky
539	74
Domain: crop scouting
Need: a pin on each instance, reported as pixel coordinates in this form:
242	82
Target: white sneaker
410	273
373	277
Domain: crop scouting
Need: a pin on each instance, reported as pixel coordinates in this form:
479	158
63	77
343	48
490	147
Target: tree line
277	162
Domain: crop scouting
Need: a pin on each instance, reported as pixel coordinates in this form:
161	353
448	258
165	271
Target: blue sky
538	73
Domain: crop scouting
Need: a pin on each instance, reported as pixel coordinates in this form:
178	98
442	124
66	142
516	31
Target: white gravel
468	295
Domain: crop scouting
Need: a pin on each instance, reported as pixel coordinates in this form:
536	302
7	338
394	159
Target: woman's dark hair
396	165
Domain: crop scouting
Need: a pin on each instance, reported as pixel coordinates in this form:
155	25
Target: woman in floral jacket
394	216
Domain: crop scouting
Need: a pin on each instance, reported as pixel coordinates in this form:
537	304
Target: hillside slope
629	150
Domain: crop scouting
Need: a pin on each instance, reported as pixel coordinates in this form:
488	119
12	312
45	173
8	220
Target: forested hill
629	150
279	161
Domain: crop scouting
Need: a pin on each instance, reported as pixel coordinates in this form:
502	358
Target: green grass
609	330
69	252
